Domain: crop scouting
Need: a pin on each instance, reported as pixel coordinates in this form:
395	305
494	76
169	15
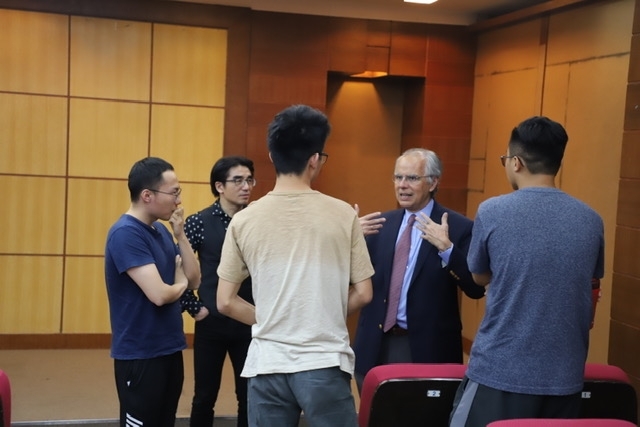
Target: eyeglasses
239	182
503	159
411	179
323	157
175	193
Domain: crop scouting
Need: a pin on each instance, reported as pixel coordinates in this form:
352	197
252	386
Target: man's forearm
360	294
239	309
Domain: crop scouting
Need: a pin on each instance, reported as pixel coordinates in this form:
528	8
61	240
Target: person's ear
434	184
145	195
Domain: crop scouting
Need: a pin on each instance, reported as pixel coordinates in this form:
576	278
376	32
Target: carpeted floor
76	388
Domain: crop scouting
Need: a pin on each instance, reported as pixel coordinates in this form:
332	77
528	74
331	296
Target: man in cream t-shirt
308	260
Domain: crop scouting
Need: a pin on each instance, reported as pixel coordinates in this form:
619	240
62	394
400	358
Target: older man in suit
414	315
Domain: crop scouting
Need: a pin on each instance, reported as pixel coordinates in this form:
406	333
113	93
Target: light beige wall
81	99
576	77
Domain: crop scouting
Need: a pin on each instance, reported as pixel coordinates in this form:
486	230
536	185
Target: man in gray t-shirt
538	249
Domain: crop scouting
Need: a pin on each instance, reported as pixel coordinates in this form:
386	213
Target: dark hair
146	174
220	170
295	134
540	142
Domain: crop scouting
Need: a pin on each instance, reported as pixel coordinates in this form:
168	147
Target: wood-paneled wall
624	344
273	60
81	99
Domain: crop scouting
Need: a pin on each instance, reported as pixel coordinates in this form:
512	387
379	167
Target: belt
398	331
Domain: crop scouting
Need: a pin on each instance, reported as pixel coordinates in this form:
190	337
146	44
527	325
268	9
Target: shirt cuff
445	255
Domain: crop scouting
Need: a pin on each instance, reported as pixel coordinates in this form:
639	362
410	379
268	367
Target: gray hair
432	163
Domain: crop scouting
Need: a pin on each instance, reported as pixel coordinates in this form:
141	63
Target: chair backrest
5	400
608	393
409	394
585	422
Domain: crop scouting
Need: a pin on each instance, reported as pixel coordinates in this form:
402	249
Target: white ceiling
458	12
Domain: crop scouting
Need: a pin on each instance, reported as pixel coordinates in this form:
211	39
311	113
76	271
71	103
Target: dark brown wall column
624	344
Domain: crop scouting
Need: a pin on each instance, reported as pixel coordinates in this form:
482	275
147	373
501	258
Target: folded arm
157	291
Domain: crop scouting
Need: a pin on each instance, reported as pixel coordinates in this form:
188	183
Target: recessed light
421	1
370	74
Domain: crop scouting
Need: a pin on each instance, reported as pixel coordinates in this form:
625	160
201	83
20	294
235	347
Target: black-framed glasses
323	157
411	179
175	193
239	182
503	159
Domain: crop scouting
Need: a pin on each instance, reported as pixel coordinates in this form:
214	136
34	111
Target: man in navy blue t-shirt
146	273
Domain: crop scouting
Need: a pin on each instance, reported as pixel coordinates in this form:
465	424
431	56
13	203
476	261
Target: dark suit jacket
433	316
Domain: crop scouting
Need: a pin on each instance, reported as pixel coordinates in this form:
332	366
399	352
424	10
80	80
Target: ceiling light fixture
370	74
421	1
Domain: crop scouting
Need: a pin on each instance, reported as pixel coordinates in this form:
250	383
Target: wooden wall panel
196	196
106	137
358	45
366	125
377	59
482	114
189	65
505	112
36	147
634	66
631	153
627	248
624	305
347	45
624	344
379	33
632	109
590	32
110	58
30	298
290	61
628	203
475	180
85	297
585	150
33	52
625	347
34	211
190	137
93	206
283	31
510	48
451	57
413	130
408	54
109	55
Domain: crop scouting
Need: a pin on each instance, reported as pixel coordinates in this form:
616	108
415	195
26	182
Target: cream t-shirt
302	250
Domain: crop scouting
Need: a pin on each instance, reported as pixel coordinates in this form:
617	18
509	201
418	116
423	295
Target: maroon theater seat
585	422
409	394
5	400
608	393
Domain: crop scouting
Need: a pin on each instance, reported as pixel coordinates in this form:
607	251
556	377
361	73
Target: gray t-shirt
542	247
